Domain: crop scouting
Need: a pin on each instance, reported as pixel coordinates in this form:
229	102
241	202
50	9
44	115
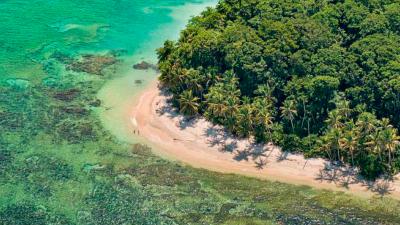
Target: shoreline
200	144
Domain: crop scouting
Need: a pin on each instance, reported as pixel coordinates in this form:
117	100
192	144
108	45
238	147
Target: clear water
32	30
32	152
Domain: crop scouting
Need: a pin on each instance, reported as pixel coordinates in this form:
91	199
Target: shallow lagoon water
33	30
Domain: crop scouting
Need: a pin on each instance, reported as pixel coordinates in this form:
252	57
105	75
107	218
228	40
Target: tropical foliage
315	76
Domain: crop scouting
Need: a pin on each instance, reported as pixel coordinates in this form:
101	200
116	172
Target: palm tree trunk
352	158
291	122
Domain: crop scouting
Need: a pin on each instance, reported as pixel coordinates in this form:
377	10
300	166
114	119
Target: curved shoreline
200	144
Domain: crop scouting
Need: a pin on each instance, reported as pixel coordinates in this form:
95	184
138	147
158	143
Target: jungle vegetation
316	76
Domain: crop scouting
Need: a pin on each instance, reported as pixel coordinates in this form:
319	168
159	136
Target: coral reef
145	66
93	64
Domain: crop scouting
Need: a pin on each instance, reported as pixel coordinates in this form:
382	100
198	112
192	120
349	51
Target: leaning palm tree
289	111
334	137
188	103
325	146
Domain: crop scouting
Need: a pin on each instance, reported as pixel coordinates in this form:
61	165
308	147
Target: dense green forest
315	76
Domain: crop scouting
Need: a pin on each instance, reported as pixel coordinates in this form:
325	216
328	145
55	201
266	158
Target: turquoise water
31	31
51	140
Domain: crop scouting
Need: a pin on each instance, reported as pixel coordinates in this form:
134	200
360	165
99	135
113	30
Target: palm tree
188	103
182	75
325	147
264	118
289	111
173	76
195	82
342	105
334	119
366	123
350	142
164	52
331	142
265	91
262	111
334	137
246	119
232	107
344	108
390	141
215	100
374	145
305	112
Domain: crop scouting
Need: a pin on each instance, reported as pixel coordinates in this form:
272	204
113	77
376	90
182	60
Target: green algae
59	165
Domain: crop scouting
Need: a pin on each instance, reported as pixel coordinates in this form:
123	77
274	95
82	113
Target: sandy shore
200	144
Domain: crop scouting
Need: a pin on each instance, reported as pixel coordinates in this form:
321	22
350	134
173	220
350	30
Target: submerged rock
145	66
67	95
75	109
93	64
62	57
88	63
95	103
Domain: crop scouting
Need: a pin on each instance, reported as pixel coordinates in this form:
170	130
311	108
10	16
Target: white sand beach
198	143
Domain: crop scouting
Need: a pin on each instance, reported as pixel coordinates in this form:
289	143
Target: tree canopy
315	76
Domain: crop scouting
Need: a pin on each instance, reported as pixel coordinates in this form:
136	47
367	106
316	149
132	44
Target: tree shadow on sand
261	163
283	156
345	176
337	174
166	108
246	150
216	136
380	187
187	122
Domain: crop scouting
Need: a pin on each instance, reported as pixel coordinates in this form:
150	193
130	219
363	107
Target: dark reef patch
67	95
145	66
93	64
87	63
